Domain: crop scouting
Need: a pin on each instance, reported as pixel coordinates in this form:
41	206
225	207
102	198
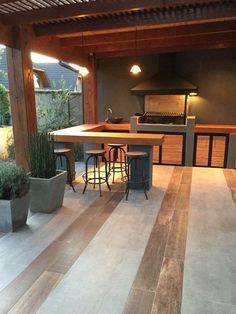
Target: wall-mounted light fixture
75	67
135	69
193	94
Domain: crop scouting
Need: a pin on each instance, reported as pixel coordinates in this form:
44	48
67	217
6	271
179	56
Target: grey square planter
46	195
13	213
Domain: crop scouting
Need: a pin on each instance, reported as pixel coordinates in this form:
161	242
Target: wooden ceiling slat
11	8
36	4
113	22
89	8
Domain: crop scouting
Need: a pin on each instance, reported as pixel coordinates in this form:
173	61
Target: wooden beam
6	36
51	46
87	9
155	33
159	50
22	98
90	93
143	44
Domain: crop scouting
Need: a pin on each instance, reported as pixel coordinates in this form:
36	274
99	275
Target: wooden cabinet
210	150
172	150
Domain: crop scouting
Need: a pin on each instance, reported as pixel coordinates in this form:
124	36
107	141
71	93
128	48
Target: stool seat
117	163
136	154
61	150
135	160
116	145
62	153
95	152
95	176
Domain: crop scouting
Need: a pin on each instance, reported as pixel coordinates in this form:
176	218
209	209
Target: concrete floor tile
194	305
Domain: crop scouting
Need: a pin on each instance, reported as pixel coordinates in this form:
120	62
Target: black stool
116	166
62	152
96	176
135	160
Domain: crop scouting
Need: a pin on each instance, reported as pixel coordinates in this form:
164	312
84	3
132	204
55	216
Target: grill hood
162	84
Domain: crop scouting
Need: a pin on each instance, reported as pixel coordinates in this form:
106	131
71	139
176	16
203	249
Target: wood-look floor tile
36	295
176	177
169	291
182	201
176	244
165	216
230	177
140	302
149	269
72	243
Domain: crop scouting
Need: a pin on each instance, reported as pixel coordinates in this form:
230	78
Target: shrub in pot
47	184
14	197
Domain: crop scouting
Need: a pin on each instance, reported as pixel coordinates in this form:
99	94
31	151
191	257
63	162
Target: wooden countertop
199	128
92	133
215	128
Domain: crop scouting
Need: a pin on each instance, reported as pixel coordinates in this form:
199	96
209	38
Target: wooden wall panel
202	150
164	103
218	150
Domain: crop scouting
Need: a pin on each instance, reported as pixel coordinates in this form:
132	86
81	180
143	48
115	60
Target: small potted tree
47	184
14	197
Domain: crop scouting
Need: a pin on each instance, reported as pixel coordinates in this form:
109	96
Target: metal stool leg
144	181
114	164
128	178
69	172
107	174
94	171
86	174
69	175
99	176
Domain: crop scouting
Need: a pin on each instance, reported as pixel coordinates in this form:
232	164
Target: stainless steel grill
162	118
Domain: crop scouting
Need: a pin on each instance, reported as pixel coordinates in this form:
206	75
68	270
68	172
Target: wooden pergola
83	31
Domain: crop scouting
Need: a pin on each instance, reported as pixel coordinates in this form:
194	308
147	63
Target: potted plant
47	184
14	197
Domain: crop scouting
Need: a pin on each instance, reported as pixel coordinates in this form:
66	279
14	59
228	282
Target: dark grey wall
214	71
115	82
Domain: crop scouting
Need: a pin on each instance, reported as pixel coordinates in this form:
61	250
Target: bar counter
100	134
97	134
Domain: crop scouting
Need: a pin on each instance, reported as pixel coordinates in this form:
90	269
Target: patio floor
173	253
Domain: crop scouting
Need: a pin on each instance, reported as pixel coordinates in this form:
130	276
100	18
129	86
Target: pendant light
135	69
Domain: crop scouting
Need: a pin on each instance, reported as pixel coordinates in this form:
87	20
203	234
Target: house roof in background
54	71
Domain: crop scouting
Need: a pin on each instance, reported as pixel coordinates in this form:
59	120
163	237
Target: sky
38	58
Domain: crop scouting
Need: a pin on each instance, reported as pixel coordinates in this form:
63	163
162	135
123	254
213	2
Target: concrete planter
46	195
13	213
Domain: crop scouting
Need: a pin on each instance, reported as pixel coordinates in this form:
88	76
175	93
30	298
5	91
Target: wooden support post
90	93
22	97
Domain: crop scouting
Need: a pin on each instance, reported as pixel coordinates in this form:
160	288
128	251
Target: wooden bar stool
136	176
117	151
62	153
95	176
